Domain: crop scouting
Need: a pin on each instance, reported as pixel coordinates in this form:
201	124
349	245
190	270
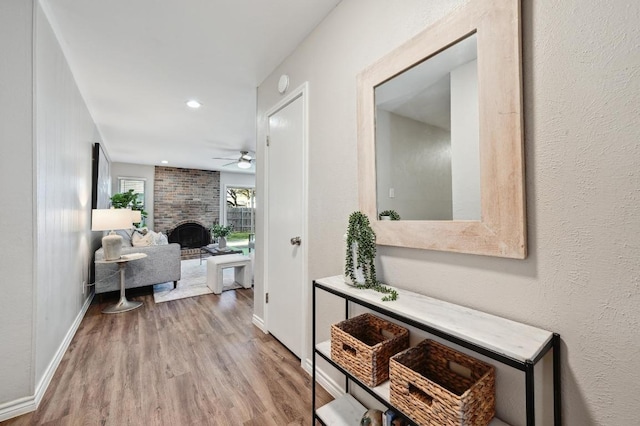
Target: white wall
45	172
465	142
145	172
18	207
582	276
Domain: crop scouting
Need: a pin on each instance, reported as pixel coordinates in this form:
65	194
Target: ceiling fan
244	161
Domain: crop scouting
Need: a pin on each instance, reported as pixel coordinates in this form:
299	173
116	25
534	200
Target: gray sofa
161	265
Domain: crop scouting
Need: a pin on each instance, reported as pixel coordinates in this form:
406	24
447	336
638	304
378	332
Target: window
137	184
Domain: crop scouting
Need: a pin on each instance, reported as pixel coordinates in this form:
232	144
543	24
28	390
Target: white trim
259	322
28	404
16	408
302	92
324	380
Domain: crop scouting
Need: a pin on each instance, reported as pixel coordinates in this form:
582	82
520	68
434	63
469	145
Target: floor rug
193	282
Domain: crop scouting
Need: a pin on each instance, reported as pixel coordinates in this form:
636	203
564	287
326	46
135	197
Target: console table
123	304
511	343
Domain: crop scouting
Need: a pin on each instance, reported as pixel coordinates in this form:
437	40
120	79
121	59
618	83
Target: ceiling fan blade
228	164
221	158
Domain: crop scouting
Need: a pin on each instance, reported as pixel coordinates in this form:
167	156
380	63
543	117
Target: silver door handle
295	241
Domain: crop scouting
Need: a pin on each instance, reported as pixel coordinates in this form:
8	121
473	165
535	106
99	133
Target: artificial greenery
128	200
393	215
221	230
360	232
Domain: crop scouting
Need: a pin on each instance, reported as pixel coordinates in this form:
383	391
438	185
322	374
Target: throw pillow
140	240
161	239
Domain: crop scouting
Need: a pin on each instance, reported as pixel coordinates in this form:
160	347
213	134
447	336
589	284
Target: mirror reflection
427	138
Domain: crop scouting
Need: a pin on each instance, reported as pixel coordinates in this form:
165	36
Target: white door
285	210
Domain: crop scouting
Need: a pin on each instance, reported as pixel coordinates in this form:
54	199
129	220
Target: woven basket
363	345
426	386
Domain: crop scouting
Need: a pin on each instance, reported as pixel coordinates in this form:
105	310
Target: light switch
392	193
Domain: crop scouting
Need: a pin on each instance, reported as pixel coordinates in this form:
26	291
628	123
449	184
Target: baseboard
324	380
259	322
16	408
28	404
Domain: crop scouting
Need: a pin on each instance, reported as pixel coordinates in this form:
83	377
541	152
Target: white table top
125	258
516	340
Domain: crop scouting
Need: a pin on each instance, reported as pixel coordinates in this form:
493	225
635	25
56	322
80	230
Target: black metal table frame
526	366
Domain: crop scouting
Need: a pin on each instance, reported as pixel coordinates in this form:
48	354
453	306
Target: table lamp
110	220
136	216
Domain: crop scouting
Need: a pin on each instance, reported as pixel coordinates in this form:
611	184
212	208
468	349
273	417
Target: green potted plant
360	269
221	232
128	200
389	215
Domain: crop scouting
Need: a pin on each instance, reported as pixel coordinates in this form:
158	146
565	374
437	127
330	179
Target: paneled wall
17	184
46	137
65	133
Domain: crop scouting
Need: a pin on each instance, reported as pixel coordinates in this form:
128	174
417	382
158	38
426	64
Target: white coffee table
123	304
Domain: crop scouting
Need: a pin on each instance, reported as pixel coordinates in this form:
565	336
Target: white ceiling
137	63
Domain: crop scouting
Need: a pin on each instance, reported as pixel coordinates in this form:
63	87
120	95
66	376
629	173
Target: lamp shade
110	219
136	216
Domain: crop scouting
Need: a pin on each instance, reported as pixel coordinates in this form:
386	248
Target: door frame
302	92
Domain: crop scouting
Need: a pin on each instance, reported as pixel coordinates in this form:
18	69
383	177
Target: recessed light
193	104
164	162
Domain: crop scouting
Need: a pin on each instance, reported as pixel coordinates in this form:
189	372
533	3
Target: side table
123	304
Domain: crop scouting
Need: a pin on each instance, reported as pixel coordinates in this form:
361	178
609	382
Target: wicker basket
363	345
426	386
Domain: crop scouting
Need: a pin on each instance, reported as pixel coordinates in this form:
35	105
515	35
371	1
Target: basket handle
421	396
349	349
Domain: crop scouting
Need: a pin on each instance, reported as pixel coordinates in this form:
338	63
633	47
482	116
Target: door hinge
266	297
268	141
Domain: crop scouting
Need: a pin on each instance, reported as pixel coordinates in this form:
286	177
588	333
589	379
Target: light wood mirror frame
501	231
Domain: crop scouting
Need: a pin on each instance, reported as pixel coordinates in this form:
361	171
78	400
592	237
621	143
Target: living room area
184	213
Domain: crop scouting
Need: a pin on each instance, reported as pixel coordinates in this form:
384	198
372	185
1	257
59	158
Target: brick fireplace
183	196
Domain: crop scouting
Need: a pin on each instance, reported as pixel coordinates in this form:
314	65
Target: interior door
285	221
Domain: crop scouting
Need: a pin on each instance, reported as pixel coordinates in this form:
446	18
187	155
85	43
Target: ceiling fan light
244	164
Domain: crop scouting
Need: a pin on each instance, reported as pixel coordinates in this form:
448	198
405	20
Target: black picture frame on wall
101	179
100	191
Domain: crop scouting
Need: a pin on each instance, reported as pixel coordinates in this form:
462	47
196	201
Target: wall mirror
440	136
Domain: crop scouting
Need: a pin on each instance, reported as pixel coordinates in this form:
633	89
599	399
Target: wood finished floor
195	361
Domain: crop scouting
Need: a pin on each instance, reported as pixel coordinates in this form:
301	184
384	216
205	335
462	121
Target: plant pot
222	242
385	217
359	272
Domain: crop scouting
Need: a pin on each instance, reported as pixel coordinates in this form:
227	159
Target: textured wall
582	277
185	194
16	183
